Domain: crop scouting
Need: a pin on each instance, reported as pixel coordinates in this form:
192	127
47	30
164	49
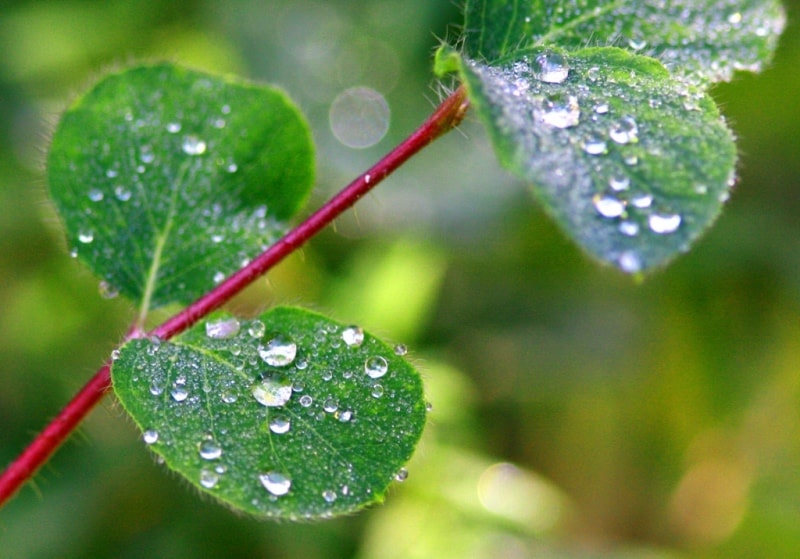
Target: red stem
446	117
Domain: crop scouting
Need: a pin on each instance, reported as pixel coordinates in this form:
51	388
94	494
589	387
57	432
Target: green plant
622	144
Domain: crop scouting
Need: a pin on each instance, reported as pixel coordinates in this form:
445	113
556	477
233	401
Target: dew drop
209	449
280	351
642	201
631	160
273	391
156	387
663	224
735	18
624	131
280	424
602	108
229	396
106	290
86	237
630	262
95	195
146	154
330	405
150	436
218	277
560	110
115	354
225	109
174	127
401	475
222	329
327	375
376	366
353	336
344	416
400	350
306	400
111	173
179	393
122	194
608	206
73	252
550	67
594	145
619	183
329	496
276	483
256	329
629	228
208	478
377	391
192	145
700	189
637	44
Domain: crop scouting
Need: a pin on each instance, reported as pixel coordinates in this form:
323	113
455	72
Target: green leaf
168	179
632	163
700	39
290	415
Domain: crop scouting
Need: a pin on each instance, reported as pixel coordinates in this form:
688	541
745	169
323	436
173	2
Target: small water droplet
208	478
344	416
280	424
220	468
629	228
619	183
624	131
146	154
229	396
280	351
273	391
306	400
173	127
327	375
631	160
601	108
735	18
150	436
122	194
115	354
428	406
608	206
95	195
367	178
222	329
700	189
73	252
376	366
225	109
329	496
663	224
106	290
86	237
560	110
179	393
256	329
377	391
231	166
550	67
594	145
353	336
330	405
218	277
276	483
209	449
642	201
400	350
219	123
637	44
630	262
192	145
112	173
156	386
401	475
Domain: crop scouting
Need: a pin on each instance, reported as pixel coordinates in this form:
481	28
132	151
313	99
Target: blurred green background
575	414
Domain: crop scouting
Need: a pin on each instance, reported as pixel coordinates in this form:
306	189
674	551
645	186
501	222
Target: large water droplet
561	110
280	351
276	483
550	67
608	206
353	336
376	366
664	223
273	391
624	131
208	478
192	145
150	436
222	328
209	449
280	424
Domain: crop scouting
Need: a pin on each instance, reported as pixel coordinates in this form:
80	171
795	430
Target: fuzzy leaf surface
167	179
289	415
697	39
631	162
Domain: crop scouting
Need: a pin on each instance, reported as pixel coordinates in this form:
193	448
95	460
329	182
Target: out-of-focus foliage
575	414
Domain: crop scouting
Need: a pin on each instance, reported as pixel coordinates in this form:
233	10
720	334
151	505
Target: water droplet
115	354
629	228
209	449
608	206
156	387
631	160
353	336
219	123
400	349
276	483
280	351
122	194
624	131
273	391
86	237
280	424
146	154
192	145
298	386
619	183
73	252
225	109
330	405
229	396
377	391
95	195
174	127
220	468
428	406
111	173
222	329
637	44
376	366
630	262
106	290
550	67
367	178
359	117
327	374
306	400
700	189
150	436
231	166
561	110
329	496
218	277
642	201
664	223
601	108
256	329
179	393
344	416
735	18
401	475
208	478
594	145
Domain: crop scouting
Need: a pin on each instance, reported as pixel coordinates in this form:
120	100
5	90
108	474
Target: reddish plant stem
446	117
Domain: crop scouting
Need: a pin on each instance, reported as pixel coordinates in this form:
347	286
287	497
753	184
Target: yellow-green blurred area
575	413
